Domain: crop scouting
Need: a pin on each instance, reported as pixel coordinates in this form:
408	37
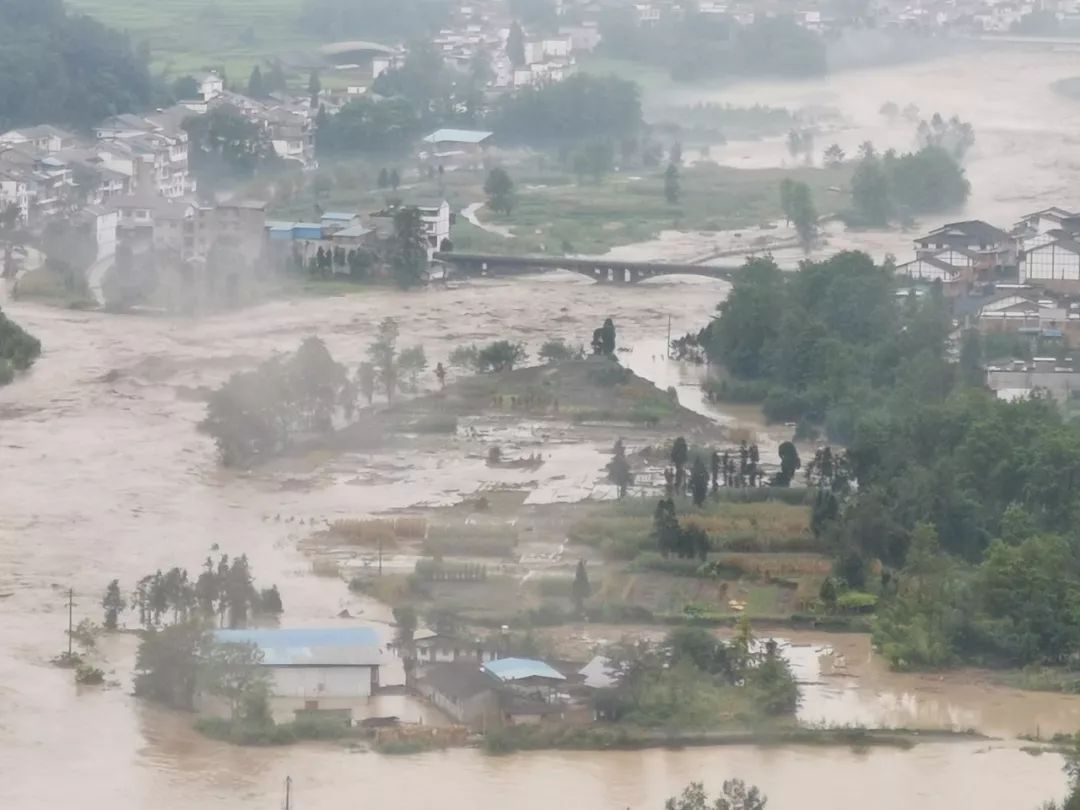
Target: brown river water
105	476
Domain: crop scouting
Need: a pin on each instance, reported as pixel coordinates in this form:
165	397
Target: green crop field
188	35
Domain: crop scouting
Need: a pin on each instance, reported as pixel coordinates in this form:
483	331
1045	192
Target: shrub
555	586
88	675
856	602
608	374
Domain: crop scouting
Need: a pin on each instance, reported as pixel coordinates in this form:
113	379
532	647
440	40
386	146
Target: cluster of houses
1023	282
129	184
334	671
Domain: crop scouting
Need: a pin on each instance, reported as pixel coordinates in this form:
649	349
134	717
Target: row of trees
740	468
18	349
224	592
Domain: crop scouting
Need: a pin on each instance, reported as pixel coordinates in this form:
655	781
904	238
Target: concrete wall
316	682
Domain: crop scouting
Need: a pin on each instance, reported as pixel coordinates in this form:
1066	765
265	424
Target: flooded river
105	476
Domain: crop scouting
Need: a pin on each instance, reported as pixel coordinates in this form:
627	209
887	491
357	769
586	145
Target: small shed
338	220
453	141
307	230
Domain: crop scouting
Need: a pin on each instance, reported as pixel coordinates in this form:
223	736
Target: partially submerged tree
619	469
114	604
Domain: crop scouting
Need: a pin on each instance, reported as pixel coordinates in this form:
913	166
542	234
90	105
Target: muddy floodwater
105	476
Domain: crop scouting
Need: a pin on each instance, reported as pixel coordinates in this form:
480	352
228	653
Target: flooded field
1024	158
105	476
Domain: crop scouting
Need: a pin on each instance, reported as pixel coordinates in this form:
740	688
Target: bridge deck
592	267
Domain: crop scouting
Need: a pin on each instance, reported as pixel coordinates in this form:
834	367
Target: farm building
313	663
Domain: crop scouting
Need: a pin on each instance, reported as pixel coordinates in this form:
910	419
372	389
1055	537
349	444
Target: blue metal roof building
509	670
310	647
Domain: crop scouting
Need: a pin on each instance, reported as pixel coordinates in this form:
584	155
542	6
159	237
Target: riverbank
607	737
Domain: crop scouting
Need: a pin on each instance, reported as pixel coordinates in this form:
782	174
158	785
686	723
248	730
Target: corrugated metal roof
295	647
517	669
458	136
344	216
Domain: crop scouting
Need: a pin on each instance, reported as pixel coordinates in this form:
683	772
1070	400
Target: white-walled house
314	663
211	85
15	190
1054	265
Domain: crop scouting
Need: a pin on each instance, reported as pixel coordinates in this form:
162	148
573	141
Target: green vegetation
829	342
693	681
734	795
561	218
577	108
256	414
623	529
892	186
66	69
18	349
701	46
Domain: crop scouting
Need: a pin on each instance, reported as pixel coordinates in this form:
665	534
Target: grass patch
188	35
623	529
50	288
1043	679
219	728
630	207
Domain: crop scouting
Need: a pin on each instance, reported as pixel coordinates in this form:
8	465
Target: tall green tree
671	184
114	604
409	255
515	46
406	622
256	88
789	464
870	193
619	469
580	589
383	358
500	191
167	664
699	481
680	454
798	207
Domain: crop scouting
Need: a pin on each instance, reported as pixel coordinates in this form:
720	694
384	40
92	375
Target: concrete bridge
601	270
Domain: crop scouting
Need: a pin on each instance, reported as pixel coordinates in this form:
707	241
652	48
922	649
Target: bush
739	392
555	586
88	675
608	373
856	602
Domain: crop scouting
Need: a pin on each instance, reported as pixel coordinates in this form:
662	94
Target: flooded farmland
106	477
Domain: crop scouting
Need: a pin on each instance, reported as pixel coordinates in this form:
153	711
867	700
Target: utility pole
667	352
288	793
71	605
